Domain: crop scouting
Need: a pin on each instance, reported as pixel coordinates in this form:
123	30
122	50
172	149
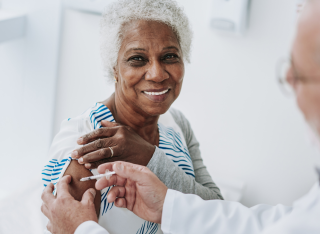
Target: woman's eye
170	57
136	59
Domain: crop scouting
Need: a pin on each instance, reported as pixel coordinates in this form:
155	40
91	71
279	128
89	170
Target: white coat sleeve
303	219
189	214
90	227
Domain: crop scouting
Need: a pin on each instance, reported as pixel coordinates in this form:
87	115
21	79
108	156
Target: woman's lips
156	96
156	93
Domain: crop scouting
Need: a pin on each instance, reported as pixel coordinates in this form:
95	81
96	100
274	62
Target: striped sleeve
60	152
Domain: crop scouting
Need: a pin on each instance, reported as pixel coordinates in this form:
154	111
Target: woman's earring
115	80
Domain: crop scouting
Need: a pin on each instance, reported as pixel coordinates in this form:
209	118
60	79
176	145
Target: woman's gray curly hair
121	12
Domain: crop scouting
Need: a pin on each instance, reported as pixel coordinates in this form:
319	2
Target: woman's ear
115	73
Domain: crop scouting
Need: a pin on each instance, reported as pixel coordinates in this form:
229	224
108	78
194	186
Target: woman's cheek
131	77
177	89
178	78
178	73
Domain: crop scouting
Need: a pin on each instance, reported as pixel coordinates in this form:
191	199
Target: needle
108	174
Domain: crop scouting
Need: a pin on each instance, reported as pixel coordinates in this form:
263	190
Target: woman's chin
155	105
155	110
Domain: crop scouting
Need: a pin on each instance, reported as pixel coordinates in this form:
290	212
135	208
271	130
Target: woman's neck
123	113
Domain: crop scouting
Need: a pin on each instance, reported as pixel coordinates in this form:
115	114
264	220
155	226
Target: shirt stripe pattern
51	172
170	142
99	113
148	228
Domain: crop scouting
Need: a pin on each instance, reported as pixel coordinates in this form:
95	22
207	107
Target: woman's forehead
146	26
148	34
148	44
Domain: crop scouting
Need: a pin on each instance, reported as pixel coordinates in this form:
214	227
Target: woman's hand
126	145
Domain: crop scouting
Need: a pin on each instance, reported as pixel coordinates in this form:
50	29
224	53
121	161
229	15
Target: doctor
140	191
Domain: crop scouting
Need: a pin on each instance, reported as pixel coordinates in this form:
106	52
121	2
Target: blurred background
252	137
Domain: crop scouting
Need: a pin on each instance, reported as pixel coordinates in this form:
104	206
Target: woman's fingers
96	134
100	145
109	124
94	165
99	155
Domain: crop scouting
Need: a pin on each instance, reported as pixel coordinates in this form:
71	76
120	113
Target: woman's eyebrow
170	47
142	49
139	49
135	49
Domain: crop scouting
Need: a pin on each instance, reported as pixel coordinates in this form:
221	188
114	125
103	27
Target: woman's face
150	67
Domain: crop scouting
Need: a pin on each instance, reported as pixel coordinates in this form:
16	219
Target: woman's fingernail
87	165
80	140
80	160
74	154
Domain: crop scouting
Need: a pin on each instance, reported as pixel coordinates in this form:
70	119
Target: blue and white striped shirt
114	219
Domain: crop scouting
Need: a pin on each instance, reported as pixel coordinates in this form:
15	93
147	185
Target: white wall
80	82
27	86
248	130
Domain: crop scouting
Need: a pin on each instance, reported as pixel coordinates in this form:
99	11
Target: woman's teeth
156	93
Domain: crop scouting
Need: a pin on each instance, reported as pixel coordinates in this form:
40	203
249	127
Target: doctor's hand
137	189
64	212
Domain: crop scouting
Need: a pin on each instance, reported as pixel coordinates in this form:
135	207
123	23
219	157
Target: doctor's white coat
189	214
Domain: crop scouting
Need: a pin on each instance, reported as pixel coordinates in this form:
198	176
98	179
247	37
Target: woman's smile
157	95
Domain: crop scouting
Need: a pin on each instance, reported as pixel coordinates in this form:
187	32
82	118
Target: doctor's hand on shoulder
136	188
65	214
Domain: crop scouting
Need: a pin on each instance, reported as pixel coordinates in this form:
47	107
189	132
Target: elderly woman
144	46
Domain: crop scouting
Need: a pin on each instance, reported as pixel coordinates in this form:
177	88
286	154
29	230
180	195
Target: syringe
107	174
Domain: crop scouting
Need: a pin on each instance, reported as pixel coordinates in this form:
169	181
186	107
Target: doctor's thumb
130	171
88	196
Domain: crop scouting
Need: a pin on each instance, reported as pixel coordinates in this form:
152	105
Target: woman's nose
156	72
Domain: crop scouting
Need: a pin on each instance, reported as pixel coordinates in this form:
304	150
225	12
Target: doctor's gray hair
120	12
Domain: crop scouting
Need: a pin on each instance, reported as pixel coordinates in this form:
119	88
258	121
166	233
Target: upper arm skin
77	187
